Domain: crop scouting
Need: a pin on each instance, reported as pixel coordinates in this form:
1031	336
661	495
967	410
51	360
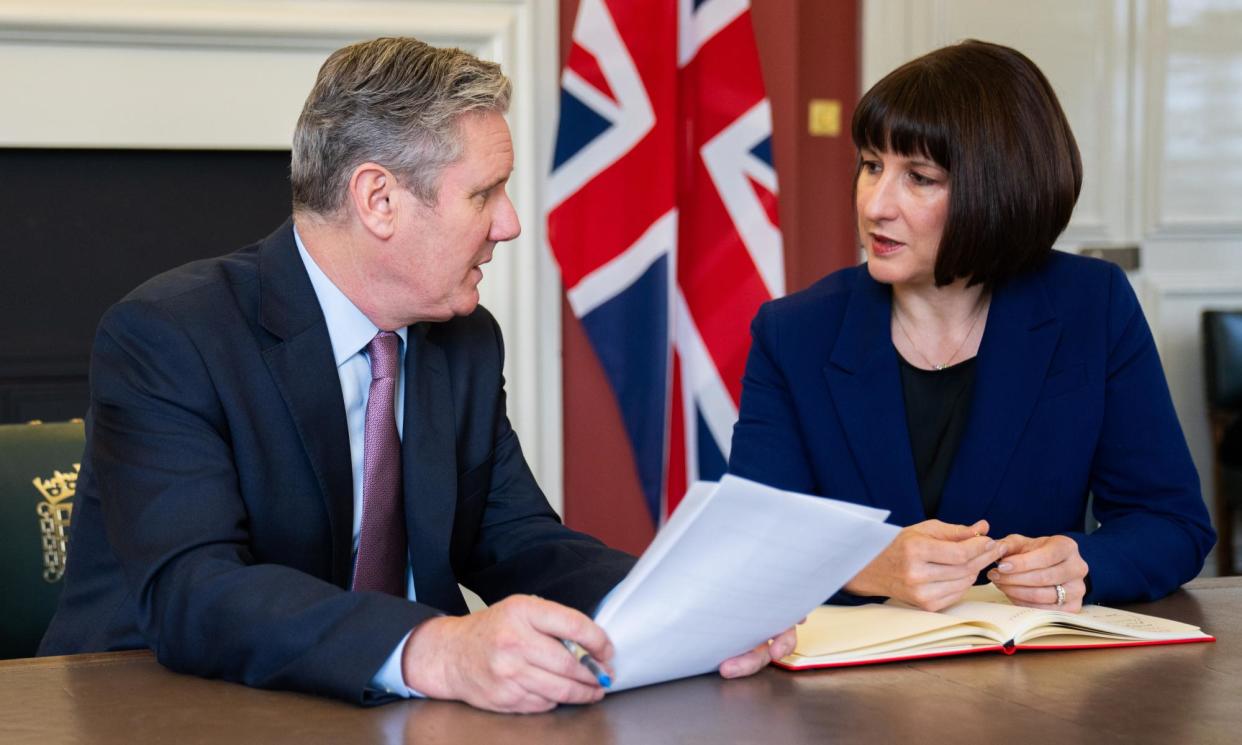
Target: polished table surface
1188	693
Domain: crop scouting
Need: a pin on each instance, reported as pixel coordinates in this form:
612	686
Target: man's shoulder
211	291
201	277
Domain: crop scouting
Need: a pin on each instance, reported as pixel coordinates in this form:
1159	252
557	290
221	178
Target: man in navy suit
226	499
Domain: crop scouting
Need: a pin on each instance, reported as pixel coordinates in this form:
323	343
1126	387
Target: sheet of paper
737	563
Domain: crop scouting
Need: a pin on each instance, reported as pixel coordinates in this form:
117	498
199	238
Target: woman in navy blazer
968	378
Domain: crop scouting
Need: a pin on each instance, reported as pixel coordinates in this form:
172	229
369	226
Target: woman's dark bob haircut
987	115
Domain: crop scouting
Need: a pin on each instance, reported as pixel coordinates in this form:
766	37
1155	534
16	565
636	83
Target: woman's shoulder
1076	267
1072	278
822	300
1093	299
1067	272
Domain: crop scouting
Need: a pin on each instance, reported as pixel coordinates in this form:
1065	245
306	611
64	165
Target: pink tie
381	561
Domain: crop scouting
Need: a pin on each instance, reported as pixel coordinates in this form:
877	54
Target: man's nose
505	224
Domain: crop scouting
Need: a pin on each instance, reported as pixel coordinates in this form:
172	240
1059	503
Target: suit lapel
865	386
1018	344
303	367
429	470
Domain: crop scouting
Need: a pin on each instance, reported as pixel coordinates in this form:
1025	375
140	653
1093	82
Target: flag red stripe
767	199
676	478
584	63
612	211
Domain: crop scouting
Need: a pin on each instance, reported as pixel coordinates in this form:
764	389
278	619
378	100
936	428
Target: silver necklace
902	327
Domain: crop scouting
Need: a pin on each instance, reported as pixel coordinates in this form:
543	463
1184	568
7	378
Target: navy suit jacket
1069	399
213	521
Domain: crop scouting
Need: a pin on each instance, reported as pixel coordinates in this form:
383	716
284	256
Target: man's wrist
390	680
422	664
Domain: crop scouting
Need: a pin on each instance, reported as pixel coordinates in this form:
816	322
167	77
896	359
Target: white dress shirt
350	332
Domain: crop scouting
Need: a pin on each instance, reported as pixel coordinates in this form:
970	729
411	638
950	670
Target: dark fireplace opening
79	228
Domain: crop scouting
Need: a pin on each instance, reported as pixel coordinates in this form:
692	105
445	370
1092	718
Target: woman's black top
937	404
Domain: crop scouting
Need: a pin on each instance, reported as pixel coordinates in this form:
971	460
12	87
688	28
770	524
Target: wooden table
1170	694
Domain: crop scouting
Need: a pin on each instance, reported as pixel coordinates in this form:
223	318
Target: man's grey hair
392	101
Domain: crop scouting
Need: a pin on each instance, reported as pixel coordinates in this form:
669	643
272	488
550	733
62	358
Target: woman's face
902	203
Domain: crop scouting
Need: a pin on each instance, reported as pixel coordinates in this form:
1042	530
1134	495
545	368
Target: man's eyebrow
496	182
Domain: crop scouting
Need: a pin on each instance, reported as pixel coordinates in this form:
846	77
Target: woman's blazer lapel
863	378
865	385
1018	344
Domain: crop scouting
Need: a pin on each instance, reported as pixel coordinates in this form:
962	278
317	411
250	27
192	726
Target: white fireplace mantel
233	75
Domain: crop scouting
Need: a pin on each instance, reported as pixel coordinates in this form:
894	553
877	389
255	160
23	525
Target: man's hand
1033	567
929	565
508	657
758	658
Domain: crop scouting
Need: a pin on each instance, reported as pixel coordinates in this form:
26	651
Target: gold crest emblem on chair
54	514
39	465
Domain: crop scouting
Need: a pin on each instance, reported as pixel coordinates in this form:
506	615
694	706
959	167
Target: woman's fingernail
1004	566
991	545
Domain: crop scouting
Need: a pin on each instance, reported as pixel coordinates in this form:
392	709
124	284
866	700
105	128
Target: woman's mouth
882	245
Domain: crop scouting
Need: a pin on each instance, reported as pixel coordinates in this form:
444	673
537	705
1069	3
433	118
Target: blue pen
589	662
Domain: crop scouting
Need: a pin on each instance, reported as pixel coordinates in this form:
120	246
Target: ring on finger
1060	595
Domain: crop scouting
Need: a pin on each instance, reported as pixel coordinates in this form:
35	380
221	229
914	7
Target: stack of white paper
736	564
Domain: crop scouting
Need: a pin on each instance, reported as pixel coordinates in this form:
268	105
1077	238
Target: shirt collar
348	328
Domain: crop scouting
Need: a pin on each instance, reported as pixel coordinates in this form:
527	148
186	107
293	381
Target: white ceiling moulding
288	23
226	75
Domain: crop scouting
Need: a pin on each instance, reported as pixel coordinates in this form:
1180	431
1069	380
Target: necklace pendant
942	365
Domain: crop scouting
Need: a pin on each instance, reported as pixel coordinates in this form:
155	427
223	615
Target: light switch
824	117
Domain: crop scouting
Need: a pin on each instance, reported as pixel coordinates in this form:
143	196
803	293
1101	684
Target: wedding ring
1060	595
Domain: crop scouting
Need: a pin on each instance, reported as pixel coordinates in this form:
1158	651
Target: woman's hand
929	565
1033	567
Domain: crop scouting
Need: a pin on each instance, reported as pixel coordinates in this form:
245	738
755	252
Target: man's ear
372	192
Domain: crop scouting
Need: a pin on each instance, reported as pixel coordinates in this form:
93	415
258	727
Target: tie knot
383	353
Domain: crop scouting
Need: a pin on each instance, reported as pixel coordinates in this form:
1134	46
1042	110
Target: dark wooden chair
1222	369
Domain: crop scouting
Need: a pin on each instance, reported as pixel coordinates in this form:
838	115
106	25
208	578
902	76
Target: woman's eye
871	166
920	179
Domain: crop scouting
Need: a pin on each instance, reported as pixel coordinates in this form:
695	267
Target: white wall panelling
233	75
1188	141
1194	118
1083	48
1178	300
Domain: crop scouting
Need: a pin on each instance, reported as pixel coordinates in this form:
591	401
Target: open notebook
838	636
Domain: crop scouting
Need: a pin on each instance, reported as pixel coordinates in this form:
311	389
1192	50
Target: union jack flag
663	219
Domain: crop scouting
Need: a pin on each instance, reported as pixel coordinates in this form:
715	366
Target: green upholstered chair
38	476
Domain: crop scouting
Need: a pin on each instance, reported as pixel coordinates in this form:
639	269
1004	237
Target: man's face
438	250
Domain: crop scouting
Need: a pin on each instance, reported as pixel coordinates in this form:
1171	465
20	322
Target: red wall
807	49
